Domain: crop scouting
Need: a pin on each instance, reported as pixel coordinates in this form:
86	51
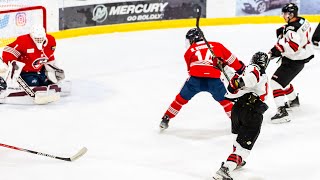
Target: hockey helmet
38	35
193	36
261	59
291	8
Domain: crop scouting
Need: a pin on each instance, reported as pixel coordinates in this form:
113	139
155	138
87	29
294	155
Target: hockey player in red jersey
34	51
204	74
30	72
295	49
248	90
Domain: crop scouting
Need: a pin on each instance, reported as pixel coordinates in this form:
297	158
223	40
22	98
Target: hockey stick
219	63
38	99
80	153
20	81
25	87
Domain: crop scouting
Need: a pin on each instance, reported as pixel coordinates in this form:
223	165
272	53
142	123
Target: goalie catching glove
54	73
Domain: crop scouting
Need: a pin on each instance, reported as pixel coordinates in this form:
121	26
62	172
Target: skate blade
218	177
292	109
280	120
162	129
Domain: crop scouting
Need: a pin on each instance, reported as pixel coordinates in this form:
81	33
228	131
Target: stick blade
79	154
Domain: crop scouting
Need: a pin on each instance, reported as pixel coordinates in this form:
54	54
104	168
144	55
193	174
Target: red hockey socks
175	106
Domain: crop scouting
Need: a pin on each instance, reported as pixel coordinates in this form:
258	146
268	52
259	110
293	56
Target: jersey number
207	58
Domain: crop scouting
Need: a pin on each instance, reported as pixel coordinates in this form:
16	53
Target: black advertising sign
128	12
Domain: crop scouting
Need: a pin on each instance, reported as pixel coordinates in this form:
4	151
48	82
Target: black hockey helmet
193	35
291	8
261	59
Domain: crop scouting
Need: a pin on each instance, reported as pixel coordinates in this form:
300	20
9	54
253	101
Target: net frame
5	9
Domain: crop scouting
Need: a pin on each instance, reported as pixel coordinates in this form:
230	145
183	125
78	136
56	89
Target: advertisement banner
262	7
128	12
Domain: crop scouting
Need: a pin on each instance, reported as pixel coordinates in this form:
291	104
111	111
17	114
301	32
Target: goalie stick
38	99
20	81
80	153
219	63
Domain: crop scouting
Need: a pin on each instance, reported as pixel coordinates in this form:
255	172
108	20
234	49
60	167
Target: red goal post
16	21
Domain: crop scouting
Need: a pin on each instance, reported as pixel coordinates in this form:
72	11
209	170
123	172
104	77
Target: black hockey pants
288	70
246	119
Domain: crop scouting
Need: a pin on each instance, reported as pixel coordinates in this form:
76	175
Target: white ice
122	85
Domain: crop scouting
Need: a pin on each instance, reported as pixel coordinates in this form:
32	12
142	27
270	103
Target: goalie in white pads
29	69
248	91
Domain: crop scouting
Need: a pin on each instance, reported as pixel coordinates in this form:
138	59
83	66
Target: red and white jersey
296	41
199	59
23	49
254	81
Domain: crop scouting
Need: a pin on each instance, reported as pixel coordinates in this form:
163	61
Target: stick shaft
80	153
219	65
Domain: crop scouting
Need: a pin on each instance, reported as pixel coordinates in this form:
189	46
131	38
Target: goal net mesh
16	20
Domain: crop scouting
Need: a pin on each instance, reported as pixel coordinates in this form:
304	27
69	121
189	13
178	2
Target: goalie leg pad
46	97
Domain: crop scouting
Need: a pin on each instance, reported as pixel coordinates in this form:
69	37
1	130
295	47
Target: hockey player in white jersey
248	91
295	49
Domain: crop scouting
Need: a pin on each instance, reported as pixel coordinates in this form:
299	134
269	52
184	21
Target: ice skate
222	173
241	165
282	116
294	103
164	123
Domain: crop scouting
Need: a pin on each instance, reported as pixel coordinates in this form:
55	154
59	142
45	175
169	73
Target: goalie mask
260	59
38	35
193	36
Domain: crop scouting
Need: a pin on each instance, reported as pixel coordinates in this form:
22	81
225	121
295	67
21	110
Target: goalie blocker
19	92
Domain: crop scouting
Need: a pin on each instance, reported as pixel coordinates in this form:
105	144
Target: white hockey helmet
38	35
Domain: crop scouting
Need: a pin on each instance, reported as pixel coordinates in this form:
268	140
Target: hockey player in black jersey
248	91
316	36
295	50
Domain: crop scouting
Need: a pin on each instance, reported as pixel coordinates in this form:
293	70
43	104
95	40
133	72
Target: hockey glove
279	32
234	84
276	51
54	73
218	61
60	74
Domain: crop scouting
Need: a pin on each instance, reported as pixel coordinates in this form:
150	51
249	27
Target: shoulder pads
294	26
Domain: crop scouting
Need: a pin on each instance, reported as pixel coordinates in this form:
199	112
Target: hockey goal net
17	20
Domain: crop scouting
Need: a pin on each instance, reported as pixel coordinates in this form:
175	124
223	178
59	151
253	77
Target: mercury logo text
140	11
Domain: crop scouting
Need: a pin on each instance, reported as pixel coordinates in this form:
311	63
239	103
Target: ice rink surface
122	85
